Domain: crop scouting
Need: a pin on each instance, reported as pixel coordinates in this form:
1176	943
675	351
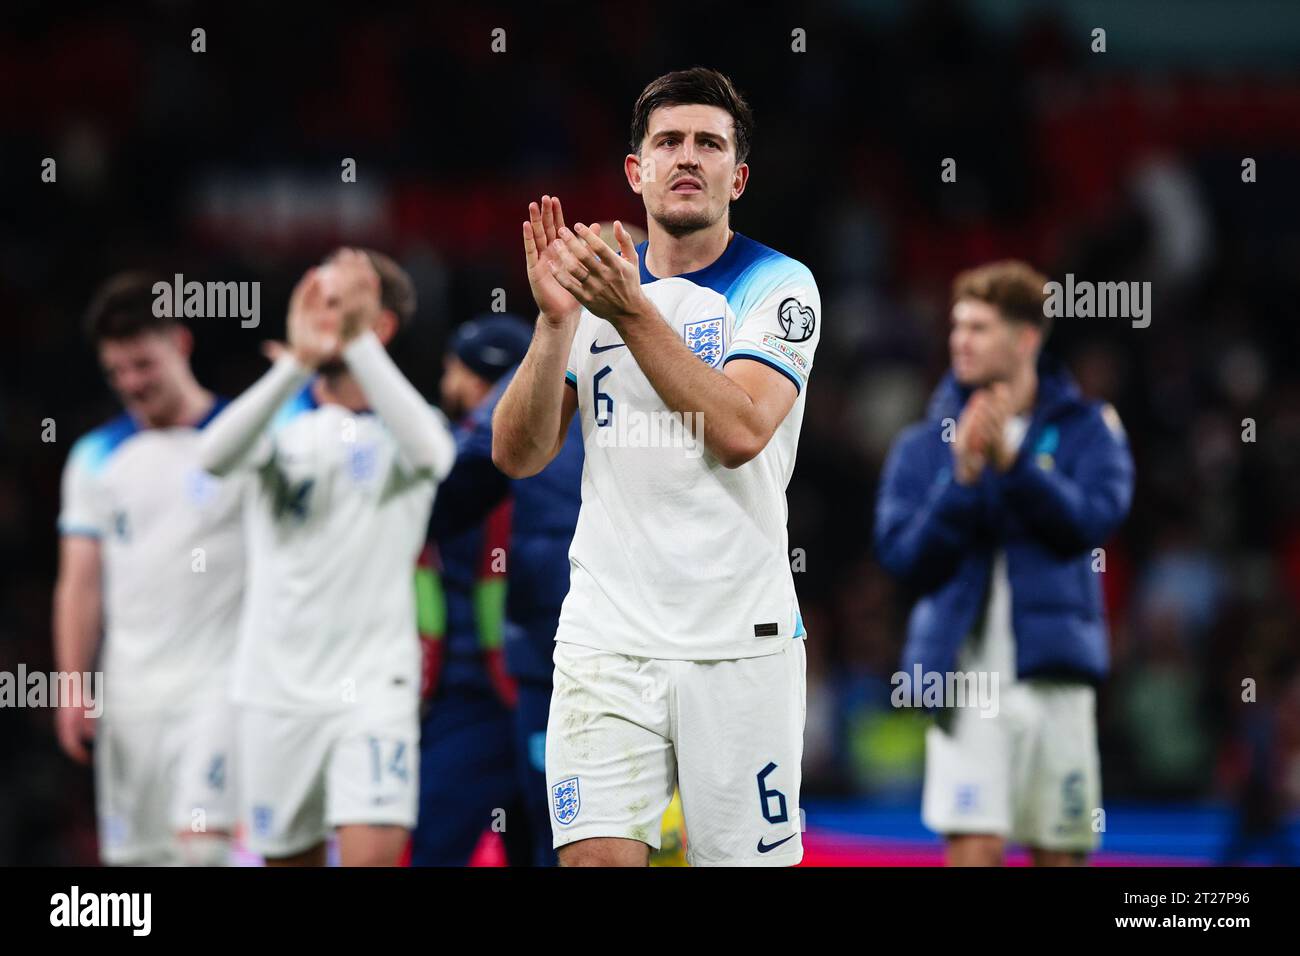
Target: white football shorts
623	731
161	774
1030	773
303	774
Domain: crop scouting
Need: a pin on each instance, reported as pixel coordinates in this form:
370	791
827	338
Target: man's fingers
559	214
548	220
990	439
327	320
984	421
569	283
599	248
312	295
980	433
583	250
300	289
356	272
530	246
538	227
369	271
591	236
625	243
70	739
980	411
568	261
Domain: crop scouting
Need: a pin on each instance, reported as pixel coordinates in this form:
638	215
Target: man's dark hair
698	85
122	308
396	290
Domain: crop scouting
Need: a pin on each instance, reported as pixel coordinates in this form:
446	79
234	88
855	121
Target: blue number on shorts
217	773
597	396
1072	788
765	795
396	765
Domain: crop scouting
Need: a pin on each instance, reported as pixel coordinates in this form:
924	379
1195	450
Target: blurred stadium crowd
1126	165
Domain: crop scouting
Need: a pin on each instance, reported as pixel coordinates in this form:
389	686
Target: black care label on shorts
765	630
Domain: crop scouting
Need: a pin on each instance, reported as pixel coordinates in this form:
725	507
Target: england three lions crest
704	338
566	801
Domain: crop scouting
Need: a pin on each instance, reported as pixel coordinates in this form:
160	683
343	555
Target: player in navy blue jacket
993	512
468	778
544	513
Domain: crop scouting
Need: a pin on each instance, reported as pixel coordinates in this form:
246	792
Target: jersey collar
706	277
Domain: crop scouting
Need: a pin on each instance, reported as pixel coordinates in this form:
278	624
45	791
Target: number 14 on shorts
395	765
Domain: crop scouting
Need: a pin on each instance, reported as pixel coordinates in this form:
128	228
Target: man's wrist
641	311
637	316
552	321
551	343
558	329
300	365
357	323
363	341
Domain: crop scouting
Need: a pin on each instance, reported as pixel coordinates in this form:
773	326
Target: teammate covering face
345	467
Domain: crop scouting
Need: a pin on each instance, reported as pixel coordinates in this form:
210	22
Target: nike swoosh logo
596	350
769	847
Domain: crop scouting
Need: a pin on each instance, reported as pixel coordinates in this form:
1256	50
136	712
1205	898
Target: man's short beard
683	224
455	409
987	380
165	410
332	368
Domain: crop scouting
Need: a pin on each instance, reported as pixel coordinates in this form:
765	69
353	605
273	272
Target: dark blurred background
1124	165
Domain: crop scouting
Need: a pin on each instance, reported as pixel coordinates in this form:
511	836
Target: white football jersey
336	519
172	557
676	556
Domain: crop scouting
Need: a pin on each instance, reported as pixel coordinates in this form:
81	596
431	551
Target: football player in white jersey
151	553
327	673
679	655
